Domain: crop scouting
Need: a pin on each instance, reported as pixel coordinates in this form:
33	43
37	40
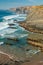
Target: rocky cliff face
34	23
34	20
21	9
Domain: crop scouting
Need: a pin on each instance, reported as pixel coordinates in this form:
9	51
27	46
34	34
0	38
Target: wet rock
27	49
0	64
18	63
6	64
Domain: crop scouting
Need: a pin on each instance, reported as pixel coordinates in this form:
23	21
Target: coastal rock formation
36	39
5	60
21	10
34	24
35	60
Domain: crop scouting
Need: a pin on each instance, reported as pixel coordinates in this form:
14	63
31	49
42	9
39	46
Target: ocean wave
23	15
3	25
23	35
10	17
17	17
1	43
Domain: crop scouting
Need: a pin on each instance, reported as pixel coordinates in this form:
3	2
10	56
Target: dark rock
17	63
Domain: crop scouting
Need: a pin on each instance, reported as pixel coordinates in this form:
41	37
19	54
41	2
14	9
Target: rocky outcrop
21	9
34	24
6	60
36	39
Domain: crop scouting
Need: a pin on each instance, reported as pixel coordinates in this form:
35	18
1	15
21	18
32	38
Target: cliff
34	24
34	20
21	9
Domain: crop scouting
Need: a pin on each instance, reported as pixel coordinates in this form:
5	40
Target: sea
13	38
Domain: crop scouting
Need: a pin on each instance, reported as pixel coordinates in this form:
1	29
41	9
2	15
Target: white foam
34	51
1	43
3	25
14	16
9	31
23	35
10	17
23	15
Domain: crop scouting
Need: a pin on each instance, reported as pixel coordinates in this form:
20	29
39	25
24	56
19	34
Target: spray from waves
4	28
10	17
18	17
3	25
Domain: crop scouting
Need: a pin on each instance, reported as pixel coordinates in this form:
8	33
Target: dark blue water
5	13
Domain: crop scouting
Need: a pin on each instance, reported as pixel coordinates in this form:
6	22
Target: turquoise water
15	48
18	48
